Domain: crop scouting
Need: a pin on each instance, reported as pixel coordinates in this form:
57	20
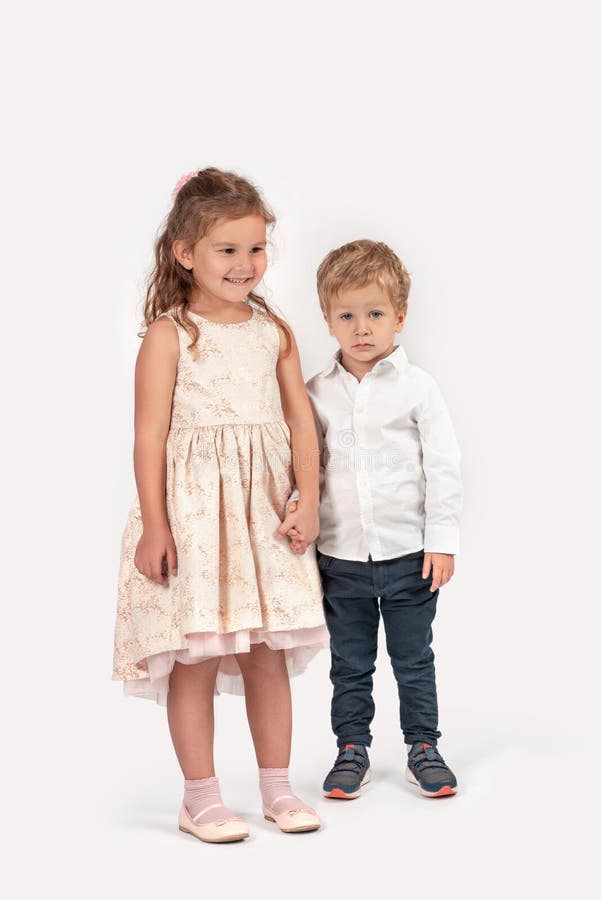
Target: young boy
390	502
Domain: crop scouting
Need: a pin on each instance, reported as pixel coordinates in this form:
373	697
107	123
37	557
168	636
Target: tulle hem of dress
299	646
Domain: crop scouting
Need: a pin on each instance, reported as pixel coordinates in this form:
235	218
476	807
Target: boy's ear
327	321
400	321
183	253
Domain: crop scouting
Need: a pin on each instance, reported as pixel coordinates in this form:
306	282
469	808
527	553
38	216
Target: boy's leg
408	609
352	616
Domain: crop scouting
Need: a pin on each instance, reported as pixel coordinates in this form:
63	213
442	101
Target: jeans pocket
323	561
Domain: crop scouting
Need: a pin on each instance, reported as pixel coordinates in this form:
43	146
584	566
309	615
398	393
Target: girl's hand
301	525
297	546
156	554
442	565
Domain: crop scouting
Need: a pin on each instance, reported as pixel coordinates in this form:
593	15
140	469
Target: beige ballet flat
234	829
291	820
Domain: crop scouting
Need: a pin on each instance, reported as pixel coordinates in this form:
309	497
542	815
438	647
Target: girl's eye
256	250
229	250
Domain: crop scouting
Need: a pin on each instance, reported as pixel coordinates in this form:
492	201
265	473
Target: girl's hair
360	263
198	205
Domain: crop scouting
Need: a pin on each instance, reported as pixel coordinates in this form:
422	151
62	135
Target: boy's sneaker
427	769
348	774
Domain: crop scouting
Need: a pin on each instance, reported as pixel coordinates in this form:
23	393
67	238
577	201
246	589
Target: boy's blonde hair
359	263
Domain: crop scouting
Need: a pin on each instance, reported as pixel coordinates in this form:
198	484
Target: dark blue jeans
355	595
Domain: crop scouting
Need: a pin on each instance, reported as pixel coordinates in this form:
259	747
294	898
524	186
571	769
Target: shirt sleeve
441	464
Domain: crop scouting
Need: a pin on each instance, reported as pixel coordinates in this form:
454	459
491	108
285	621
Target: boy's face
364	322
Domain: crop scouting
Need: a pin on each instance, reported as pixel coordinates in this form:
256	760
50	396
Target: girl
211	596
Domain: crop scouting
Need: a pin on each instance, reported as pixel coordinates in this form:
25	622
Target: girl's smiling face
228	262
364	322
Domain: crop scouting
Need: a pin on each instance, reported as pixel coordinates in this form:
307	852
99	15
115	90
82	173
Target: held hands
300	526
442	565
156	555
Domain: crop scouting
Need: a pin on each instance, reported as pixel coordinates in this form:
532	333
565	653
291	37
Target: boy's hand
296	545
442	565
301	527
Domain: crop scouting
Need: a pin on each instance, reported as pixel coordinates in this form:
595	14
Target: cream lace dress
229	475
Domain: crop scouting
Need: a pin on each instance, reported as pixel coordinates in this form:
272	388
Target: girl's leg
268	704
190	716
269	710
191	722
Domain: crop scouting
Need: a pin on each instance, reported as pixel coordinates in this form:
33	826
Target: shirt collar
398	359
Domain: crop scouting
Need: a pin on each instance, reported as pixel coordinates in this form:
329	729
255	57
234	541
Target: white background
465	135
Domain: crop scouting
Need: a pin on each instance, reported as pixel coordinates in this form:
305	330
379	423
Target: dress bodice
230	376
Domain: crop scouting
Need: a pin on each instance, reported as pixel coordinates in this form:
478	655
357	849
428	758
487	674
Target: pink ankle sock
202	795
275	784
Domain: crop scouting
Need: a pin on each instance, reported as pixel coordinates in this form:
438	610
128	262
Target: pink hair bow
182	181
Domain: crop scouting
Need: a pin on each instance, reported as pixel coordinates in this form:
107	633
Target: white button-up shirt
390	480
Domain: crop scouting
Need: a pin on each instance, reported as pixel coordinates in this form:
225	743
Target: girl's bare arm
305	451
156	368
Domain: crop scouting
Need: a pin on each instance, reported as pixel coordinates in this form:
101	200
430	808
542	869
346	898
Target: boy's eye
346	317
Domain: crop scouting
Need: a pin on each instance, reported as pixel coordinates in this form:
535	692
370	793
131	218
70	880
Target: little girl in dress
212	597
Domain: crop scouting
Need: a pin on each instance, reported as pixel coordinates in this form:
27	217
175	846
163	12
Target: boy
390	502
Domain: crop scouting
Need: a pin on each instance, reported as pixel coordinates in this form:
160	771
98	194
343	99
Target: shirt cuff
441	539
293	496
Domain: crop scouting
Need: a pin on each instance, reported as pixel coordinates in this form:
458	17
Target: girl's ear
183	253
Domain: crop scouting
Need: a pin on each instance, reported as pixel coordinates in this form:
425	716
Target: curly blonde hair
360	263
204	199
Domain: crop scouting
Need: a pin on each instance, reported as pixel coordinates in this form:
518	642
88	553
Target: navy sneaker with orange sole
348	774
427	769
